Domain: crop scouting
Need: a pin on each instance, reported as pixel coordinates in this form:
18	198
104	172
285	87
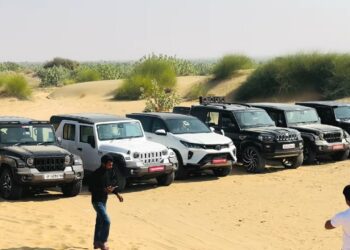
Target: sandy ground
280	209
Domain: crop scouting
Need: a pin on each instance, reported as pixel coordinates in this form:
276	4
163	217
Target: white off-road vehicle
196	146
92	135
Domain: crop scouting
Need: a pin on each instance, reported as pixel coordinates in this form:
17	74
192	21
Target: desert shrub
9	66
62	62
230	64
159	99
14	85
328	74
86	75
54	76
142	76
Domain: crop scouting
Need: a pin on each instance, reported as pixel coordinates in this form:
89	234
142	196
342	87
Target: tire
9	189
309	154
121	179
293	162
72	189
341	156
222	172
181	172
252	160
166	179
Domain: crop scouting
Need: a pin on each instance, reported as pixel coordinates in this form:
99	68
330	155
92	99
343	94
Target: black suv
31	159
332	113
253	132
319	139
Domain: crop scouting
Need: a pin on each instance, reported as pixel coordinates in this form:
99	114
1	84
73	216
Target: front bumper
147	171
31	176
322	147
278	150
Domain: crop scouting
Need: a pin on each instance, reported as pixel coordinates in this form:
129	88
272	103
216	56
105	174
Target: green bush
15	85
62	62
140	79
328	74
159	99
230	64
9	66
87	75
54	76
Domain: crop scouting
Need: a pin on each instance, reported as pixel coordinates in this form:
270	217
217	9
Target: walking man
342	219
100	185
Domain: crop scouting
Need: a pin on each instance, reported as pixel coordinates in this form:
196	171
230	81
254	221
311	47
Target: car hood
37	150
271	130
316	128
204	138
132	145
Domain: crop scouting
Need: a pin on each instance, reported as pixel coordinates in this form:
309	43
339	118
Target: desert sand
279	209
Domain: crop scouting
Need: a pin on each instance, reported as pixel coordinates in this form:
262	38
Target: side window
227	121
277	117
212	118
85	133
69	132
157	124
326	114
146	123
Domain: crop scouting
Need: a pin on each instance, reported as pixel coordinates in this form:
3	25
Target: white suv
92	135
196	146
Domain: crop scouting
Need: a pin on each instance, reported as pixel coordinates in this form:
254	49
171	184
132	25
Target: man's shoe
98	245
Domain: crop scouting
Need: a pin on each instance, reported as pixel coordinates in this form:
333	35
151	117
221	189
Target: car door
158	124
70	137
88	149
230	127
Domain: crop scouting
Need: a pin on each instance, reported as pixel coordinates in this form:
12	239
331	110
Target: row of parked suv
35	154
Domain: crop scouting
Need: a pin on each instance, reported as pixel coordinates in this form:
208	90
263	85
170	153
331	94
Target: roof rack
218	100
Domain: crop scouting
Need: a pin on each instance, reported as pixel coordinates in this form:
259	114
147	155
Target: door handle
80	149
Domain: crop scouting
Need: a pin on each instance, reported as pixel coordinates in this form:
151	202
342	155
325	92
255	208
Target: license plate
218	161
336	147
288	146
53	176
156	169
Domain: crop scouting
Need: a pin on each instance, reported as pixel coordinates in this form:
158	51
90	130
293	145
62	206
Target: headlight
30	161
346	134
191	145
164	152
266	138
136	155
231	144
67	160
320	135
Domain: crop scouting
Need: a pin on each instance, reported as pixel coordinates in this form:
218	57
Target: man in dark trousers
100	185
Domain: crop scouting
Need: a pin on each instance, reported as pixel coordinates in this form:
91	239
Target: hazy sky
38	30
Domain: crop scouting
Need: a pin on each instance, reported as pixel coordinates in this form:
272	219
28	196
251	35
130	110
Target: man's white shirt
343	219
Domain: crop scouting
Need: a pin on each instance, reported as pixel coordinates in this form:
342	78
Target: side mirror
59	140
222	132
212	129
160	132
91	141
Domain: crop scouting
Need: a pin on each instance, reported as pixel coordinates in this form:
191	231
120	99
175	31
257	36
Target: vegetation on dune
87	75
328	74
61	62
159	99
13	84
55	76
9	66
140	79
230	64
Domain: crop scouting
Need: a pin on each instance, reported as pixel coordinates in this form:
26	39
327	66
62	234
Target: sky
120	30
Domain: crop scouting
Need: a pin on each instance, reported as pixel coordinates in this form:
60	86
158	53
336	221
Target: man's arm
328	225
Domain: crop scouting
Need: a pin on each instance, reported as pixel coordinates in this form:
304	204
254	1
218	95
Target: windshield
26	134
302	116
342	112
186	125
120	130
250	119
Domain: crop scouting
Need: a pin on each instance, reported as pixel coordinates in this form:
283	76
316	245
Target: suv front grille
151	157
216	147
49	164
332	137
285	137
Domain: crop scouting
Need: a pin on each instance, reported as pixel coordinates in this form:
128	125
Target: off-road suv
253	132
319	139
31	159
92	135
197	148
332	113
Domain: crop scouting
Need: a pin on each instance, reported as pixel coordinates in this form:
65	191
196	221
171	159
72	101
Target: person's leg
106	223
99	223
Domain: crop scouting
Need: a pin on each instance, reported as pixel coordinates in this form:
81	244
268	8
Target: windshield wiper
45	142
22	143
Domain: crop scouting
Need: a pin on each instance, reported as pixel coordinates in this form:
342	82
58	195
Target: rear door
88	152
70	137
